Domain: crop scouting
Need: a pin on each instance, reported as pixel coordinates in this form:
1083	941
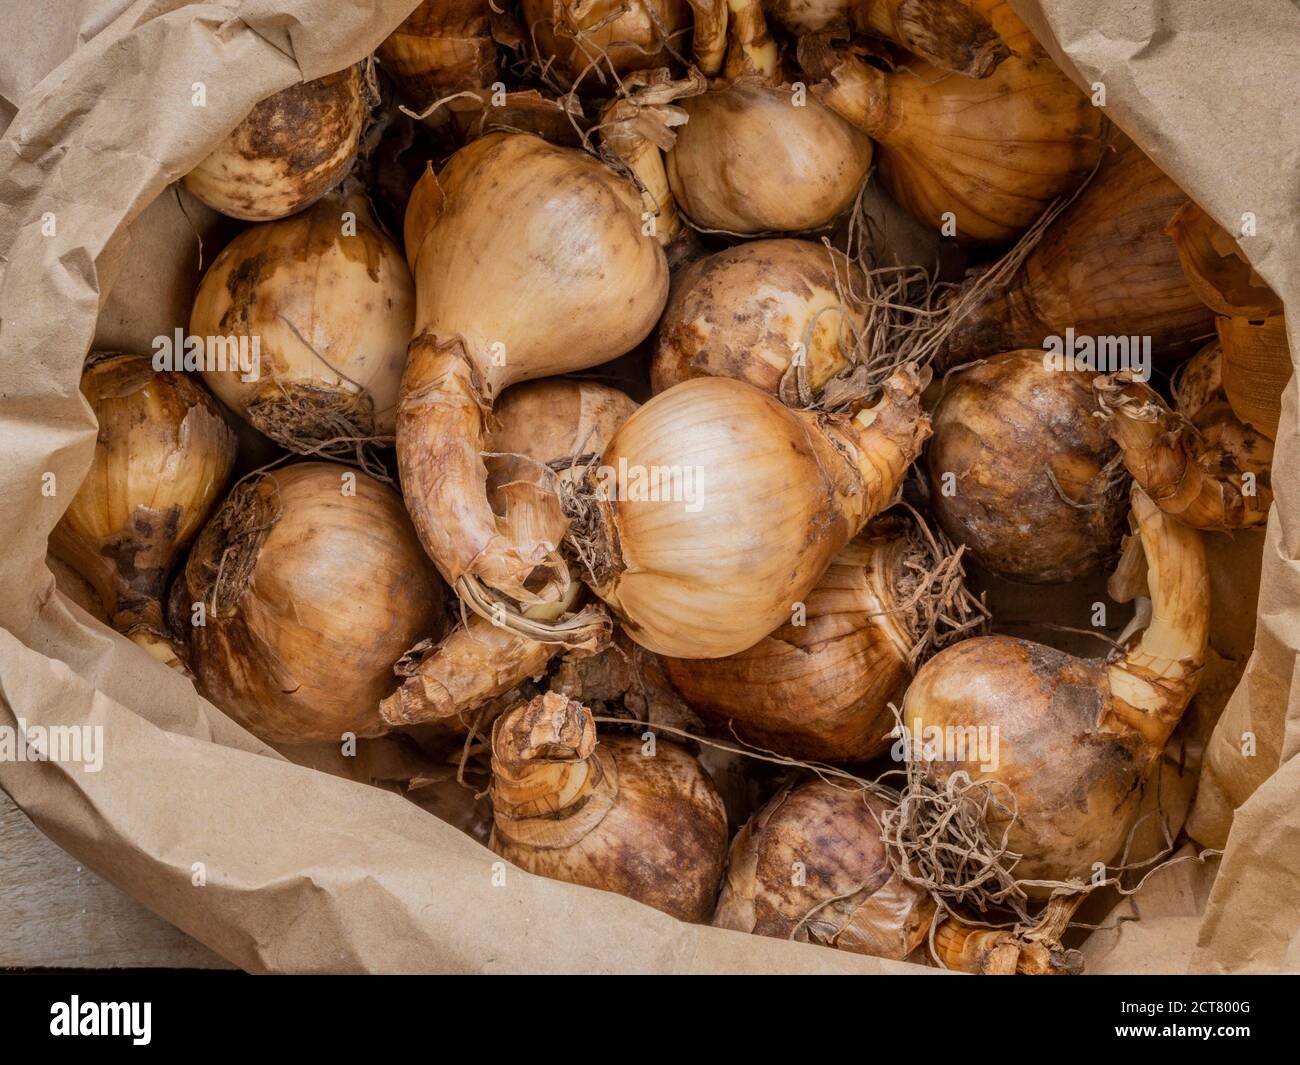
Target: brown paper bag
279	867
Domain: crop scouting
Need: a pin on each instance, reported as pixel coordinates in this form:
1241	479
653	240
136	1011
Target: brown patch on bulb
811	866
744	312
291	149
1019	441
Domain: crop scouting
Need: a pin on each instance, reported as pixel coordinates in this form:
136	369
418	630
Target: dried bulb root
1166	455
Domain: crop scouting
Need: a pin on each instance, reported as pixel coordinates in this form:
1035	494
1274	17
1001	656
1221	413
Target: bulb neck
947	33
542	758
442	434
1152	683
1161	450
856	91
1036	952
638	127
875	446
751	50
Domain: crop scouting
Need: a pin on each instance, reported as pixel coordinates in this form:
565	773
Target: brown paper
279	867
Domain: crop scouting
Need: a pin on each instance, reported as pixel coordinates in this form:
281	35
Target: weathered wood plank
56	913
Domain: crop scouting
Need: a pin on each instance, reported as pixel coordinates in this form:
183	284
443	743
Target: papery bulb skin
947	33
980	160
313	585
761	501
529	261
163	454
811	866
552	419
819	689
1216	267
730	173
1071	740
1256	369
605	814
1022	473
442	47
312	315
1103	268
583	42
746	313
291	149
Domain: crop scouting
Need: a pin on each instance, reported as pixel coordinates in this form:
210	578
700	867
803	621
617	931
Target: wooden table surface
55	913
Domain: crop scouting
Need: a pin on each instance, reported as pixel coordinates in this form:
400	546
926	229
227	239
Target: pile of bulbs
521	259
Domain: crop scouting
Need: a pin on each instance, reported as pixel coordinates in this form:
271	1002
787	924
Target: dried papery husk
629	680
291	149
1069	741
558	120
748	161
947	33
637	127
1035	950
993	153
447	682
328	301
590	44
529	261
616	815
1216	267
1103	267
1008	25
774	495
552	422
811	867
821	686
442	47
162	457
1256	368
1201	464
747	312
1022	473
312	585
